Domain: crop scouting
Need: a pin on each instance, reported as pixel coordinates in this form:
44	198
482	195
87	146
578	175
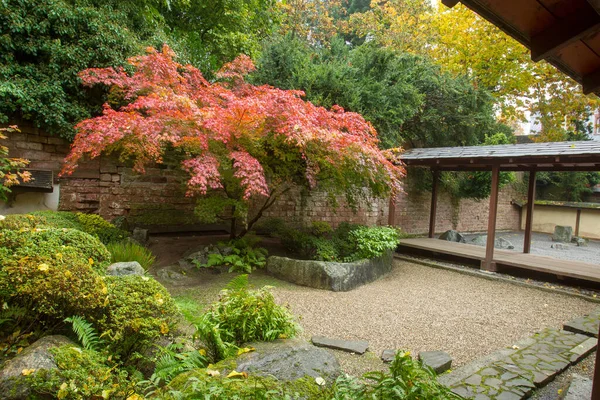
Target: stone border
335	276
493	276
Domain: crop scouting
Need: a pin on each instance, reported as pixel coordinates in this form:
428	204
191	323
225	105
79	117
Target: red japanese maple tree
242	145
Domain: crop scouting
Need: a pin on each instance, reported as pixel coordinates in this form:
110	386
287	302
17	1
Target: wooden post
596	379
488	263
530	204
392	213
434	196
577	222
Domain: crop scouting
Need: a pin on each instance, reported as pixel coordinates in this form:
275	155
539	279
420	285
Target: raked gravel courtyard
419	308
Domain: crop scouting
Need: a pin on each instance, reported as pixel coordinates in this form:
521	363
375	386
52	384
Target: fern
240	282
86	333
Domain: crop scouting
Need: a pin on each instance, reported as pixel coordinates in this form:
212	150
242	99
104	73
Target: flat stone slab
586	325
439	361
351	346
388	355
580	388
519	372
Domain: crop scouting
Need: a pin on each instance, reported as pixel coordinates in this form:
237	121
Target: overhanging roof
566	33
552	156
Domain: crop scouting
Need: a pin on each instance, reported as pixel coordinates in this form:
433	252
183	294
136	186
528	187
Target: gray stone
452	236
140	235
579	389
559	246
580	242
388	355
562	234
439	361
351	346
125	268
171	274
509	396
499	243
339	277
288	360
34	357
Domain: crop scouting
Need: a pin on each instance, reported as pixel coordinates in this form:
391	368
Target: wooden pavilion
531	157
566	33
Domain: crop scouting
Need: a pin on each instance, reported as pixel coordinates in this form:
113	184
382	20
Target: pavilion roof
550	156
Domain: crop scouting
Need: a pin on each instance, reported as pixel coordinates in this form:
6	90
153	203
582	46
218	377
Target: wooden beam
591	82
450	3
530	206
434	196
595	4
489	264
565	31
596	379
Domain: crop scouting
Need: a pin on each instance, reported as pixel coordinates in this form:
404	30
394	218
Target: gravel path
420	308
541	244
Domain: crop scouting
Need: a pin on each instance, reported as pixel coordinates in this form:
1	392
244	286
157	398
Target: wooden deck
555	266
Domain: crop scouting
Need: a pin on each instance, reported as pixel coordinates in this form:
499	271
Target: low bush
52	288
84	374
138	310
240	255
242	315
130	251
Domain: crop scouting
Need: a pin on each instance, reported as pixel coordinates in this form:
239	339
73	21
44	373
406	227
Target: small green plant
320	228
130	251
407	379
370	242
86	333
170	363
246	315
240	255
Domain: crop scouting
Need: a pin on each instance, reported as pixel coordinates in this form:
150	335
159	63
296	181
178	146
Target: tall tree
240	144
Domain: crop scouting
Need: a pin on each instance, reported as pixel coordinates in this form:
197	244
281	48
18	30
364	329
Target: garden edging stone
335	276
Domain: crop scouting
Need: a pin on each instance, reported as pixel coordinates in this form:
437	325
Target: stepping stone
388	355
580	388
351	346
439	361
586	325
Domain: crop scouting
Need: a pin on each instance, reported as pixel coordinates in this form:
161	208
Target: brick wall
110	188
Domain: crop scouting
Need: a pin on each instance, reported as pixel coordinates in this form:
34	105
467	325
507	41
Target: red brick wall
111	189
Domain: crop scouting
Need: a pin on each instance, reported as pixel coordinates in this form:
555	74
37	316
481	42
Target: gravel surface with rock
419	308
541	244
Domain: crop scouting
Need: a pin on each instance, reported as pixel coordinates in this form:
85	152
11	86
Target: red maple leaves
228	130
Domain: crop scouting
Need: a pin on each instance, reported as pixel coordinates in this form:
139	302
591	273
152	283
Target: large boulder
339	277
562	234
35	357
452	236
288	360
499	243
125	268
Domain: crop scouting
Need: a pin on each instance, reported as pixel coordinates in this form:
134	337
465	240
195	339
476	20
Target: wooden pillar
488	263
434	196
392	212
530	204
596	379
577	222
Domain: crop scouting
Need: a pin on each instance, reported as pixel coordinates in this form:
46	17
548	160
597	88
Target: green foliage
407	379
409	100
566	186
242	315
86	333
371	242
53	288
320	228
211	335
242	256
131	251
171	363
10	168
138	310
83	374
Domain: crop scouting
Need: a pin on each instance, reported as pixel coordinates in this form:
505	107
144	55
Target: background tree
242	145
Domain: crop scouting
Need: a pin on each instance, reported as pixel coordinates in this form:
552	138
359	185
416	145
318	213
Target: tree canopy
240	144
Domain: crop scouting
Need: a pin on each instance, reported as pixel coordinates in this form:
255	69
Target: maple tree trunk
233	226
268	203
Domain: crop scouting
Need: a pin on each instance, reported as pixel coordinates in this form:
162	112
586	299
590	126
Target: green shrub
52	243
130	251
243	255
320	228
84	374
407	379
370	242
53	287
138	310
244	315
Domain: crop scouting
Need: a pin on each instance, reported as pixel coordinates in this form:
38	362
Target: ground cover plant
239	255
347	243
